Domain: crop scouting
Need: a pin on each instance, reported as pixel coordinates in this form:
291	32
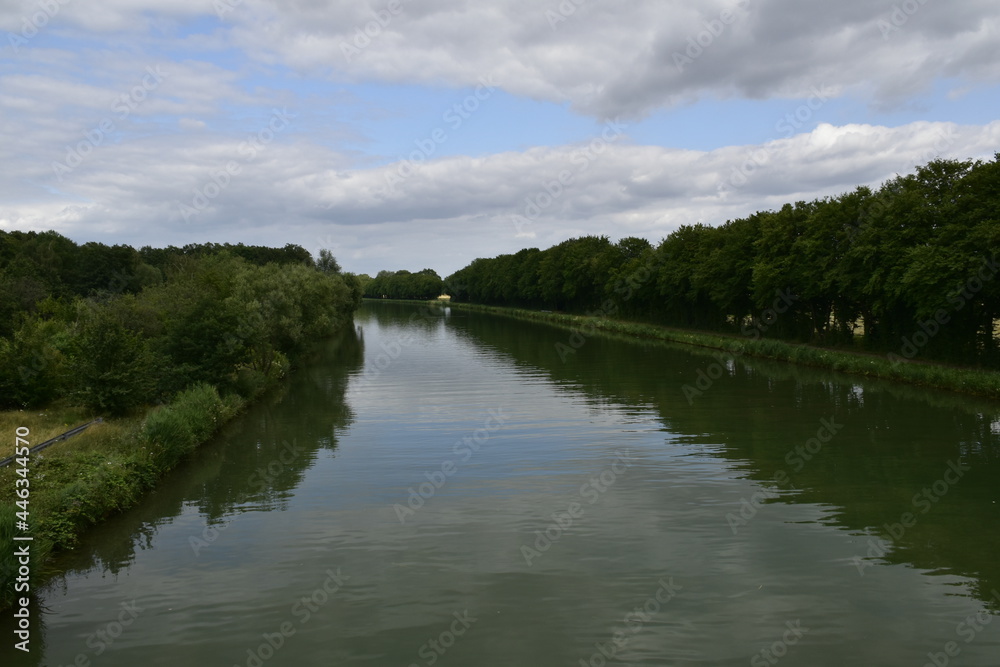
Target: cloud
605	58
621	58
136	192
195	157
191	124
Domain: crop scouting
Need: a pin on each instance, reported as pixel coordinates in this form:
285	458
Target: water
447	490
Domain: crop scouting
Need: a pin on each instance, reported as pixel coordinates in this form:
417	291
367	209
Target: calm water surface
445	489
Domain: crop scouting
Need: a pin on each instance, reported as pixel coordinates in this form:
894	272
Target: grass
939	376
73	485
43	425
102	471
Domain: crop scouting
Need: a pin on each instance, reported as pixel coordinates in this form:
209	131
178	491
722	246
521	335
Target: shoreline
107	470
970	381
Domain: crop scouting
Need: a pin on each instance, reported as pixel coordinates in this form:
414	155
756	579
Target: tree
114	369
327	263
33	363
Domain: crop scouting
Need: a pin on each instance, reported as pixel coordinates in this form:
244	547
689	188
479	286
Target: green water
447	489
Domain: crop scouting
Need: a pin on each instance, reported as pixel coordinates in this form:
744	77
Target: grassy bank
436	302
965	380
43	424
102	471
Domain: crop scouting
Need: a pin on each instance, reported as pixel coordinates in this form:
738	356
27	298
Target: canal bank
104	471
888	367
247	533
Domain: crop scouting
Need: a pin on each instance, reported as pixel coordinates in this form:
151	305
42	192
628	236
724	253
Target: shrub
193	416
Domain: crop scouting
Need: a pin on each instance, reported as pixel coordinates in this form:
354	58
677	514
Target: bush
114	367
32	364
192	417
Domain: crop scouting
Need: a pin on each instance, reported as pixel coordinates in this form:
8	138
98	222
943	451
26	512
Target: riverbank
939	376
43	424
101	472
109	468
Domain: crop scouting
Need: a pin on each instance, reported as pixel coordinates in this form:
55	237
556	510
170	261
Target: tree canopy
909	266
115	328
425	284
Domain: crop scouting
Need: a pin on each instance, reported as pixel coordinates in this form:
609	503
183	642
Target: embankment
971	381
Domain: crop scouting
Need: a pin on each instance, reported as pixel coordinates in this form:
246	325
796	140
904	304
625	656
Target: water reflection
253	464
427	382
878	474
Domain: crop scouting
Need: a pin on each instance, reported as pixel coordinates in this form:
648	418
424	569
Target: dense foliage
114	328
426	284
908	269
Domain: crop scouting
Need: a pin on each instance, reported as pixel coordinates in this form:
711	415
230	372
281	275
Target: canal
456	488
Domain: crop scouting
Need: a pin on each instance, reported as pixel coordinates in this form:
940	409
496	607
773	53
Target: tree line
909	268
114	328
425	284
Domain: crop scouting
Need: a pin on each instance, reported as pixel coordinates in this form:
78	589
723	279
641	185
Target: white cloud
292	191
613	58
191	124
616	57
311	183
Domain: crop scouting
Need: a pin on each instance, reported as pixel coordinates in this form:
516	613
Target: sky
411	134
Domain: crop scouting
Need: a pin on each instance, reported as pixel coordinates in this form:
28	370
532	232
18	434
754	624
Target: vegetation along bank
872	281
166	344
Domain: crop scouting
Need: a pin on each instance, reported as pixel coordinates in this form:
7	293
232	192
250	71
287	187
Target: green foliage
869	266
113	368
165	258
8	562
116	330
33	363
965	380
423	285
327	263
174	430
